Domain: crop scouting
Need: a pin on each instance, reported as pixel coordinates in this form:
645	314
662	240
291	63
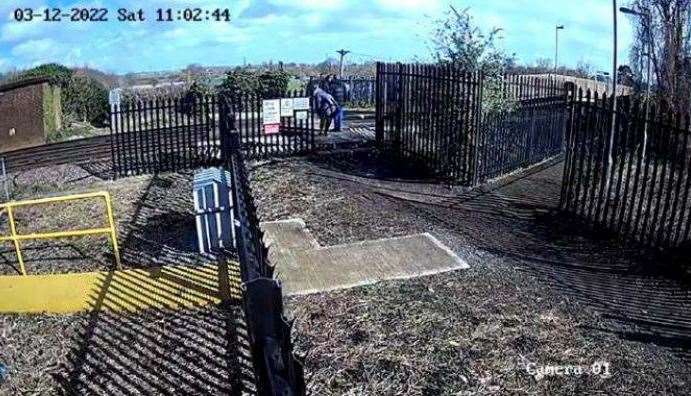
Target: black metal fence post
642	195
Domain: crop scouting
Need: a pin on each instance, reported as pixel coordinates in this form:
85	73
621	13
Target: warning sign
271	116
271	129
287	107
301	103
271	110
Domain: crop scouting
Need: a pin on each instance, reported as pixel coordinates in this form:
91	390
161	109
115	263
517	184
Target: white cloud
318	5
416	6
293	30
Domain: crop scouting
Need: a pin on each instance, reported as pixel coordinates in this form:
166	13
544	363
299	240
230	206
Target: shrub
268	84
58	74
201	88
87	100
83	97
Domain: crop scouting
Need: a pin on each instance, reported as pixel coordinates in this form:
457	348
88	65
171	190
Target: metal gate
428	114
466	126
173	134
292	133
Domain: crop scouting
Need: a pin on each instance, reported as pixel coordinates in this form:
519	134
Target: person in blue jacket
339	90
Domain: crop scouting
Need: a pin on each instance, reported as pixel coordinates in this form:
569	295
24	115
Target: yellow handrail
16	238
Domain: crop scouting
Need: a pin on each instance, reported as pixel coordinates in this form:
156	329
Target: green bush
268	84
196	92
58	74
87	100
83	98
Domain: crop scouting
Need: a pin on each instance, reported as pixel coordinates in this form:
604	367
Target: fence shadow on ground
102	169
165	349
161	229
53	257
631	286
626	283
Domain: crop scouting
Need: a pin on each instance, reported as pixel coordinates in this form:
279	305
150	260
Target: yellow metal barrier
16	238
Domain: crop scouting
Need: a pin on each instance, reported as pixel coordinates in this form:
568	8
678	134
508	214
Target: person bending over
326	108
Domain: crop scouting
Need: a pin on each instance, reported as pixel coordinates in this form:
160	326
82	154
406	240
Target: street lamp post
610	160
556	47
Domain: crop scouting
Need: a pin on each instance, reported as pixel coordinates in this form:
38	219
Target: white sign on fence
301	115
114	96
271	111
287	107
271	115
301	103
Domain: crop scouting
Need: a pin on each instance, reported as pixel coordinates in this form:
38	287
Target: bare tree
667	25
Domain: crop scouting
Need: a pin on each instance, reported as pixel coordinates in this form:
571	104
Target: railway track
78	151
98	149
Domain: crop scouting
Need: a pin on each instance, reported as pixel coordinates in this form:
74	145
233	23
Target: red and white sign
271	116
272	129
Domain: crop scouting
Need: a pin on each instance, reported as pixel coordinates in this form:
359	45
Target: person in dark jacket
339	90
326	108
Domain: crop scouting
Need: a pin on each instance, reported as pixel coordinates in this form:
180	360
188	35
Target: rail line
95	149
86	150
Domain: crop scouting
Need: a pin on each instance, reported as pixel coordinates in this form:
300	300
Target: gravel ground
154	216
541	289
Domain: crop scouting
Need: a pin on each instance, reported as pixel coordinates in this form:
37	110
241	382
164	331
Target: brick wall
28	112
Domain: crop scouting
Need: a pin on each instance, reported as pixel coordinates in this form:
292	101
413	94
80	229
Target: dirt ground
154	218
191	351
542	291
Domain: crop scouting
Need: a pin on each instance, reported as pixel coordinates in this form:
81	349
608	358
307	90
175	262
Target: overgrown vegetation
457	40
271	83
84	98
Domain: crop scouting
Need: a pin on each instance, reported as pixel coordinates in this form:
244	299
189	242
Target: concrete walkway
305	267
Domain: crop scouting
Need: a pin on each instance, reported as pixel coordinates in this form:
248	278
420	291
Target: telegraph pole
343	53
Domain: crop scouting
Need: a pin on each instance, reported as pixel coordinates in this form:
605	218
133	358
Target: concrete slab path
305	267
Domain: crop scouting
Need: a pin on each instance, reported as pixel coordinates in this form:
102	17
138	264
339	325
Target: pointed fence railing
277	370
641	191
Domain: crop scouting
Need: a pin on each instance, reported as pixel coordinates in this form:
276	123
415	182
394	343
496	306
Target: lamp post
610	160
649	46
556	47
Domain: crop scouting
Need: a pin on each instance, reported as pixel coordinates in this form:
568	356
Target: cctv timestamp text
86	14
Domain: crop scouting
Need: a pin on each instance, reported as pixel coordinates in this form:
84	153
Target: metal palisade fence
465	126
295	131
427	114
528	130
642	193
171	134
164	134
277	370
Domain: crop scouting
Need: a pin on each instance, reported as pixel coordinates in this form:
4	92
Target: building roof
24	83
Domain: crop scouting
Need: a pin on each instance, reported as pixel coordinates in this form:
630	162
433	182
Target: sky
304	31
